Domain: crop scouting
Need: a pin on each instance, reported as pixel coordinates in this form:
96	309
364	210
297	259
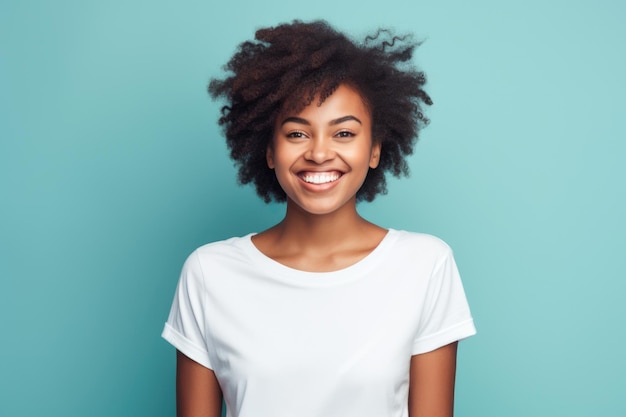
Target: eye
296	134
344	134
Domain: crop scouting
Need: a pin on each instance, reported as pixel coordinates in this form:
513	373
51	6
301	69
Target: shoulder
220	253
420	243
233	244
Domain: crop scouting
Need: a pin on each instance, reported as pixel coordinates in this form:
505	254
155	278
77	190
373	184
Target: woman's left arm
431	388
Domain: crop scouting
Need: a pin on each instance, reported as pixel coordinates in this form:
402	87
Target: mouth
319	177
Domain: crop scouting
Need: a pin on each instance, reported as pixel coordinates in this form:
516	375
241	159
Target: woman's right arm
198	393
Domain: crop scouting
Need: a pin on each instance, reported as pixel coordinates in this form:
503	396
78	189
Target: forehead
344	100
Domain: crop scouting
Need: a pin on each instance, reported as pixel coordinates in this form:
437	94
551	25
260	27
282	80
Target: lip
319	180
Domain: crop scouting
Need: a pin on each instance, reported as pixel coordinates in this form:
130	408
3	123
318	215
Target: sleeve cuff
185	346
452	334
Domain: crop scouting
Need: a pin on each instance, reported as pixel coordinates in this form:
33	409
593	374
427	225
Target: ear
375	154
269	156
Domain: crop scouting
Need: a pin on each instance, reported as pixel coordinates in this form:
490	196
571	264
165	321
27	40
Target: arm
198	393
431	388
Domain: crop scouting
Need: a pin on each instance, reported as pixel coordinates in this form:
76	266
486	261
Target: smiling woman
322	155
323	314
292	66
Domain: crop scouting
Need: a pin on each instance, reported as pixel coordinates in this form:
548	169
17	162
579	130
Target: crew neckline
352	272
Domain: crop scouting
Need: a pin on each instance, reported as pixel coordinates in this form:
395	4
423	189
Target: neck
325	230
320	242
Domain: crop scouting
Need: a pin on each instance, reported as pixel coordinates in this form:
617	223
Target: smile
319	177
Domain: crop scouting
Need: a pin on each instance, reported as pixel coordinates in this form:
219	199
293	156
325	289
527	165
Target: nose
320	150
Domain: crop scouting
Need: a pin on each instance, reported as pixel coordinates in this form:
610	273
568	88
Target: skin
322	231
198	393
431	388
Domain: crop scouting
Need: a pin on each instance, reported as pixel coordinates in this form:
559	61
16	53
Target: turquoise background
112	169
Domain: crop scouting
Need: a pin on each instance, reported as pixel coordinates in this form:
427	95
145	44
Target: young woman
324	314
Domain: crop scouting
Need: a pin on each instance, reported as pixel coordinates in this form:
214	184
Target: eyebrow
333	122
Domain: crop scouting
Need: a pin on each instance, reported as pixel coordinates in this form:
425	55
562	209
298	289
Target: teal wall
112	170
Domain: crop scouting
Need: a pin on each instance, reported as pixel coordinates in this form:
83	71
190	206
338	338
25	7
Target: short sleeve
186	326
446	316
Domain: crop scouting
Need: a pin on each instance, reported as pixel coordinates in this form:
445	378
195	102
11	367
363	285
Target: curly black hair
287	66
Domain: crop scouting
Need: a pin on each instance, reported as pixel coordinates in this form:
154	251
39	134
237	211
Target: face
322	154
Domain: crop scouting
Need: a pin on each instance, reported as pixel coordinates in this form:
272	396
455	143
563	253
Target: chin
320	208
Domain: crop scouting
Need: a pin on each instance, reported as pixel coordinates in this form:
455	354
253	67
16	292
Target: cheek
365	155
281	163
283	156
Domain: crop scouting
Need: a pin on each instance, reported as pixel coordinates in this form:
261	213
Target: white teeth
320	178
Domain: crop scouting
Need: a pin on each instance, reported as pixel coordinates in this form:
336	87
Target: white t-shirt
289	343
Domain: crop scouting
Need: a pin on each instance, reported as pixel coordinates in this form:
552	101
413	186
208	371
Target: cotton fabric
285	343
